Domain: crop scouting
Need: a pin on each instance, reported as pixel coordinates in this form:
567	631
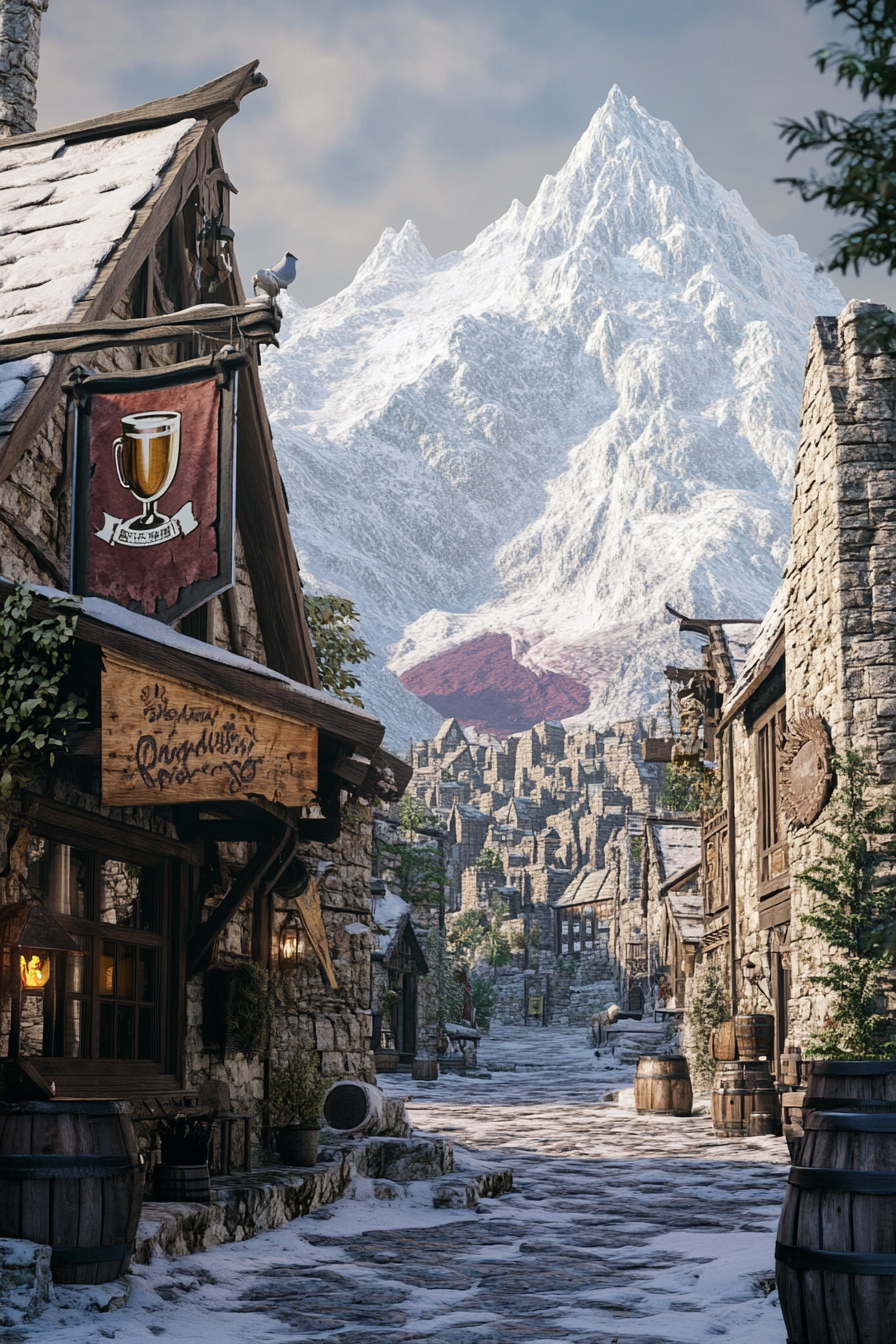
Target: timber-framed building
116	245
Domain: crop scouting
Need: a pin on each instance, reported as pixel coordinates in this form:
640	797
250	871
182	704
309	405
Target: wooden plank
73	826
167	742
48	561
203	937
264	528
309	909
218	98
15	1137
257	321
66	1191
36	1194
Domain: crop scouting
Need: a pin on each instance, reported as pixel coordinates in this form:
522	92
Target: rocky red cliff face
482	684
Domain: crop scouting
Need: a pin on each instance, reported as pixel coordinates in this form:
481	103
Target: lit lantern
292	943
31	934
35	968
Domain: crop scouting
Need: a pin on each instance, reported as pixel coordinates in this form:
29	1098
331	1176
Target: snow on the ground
621	1227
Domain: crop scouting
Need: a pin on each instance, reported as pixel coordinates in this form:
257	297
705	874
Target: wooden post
732	881
15	1022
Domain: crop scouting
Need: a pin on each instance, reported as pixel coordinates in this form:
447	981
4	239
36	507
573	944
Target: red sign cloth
126	572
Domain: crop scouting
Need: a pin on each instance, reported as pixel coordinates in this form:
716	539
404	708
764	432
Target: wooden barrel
836	1245
663	1085
71	1177
178	1183
739	1089
849	1085
755	1034
353	1108
722	1041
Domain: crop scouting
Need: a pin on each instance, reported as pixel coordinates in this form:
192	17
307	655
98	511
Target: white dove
271	281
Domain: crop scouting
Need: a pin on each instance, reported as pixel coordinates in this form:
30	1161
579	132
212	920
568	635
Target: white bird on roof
270	281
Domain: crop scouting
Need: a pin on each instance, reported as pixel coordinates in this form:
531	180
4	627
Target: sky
378	111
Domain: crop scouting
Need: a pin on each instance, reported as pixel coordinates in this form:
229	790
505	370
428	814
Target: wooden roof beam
215	101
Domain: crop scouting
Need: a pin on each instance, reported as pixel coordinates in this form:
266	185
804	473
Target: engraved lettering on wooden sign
166	741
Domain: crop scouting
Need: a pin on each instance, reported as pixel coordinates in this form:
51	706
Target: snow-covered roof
63	209
134	622
766	636
686	908
677	846
391	923
585	888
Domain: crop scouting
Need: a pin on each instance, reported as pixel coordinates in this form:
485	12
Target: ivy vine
35	708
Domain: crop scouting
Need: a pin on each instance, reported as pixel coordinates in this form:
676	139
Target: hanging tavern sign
153	521
807	776
166	741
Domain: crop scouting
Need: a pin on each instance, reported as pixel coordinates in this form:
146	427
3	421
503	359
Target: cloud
379	111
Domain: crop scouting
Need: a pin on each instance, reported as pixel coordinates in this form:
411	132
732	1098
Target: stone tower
19	52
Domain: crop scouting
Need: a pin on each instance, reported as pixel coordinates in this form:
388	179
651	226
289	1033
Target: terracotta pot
297	1146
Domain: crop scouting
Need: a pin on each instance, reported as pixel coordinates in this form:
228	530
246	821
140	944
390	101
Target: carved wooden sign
805	764
166	741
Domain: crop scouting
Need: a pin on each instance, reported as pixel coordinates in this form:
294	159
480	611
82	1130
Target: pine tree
856	915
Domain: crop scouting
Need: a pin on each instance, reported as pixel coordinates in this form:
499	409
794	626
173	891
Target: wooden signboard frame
166	741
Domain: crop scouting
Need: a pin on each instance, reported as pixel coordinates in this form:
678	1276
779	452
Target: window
774	860
106	1004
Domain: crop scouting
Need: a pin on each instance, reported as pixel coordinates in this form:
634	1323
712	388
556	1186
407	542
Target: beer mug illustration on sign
146	455
146	458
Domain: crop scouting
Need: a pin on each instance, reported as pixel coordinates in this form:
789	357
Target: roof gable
85	206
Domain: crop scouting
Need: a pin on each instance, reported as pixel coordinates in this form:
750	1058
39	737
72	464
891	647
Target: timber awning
112	635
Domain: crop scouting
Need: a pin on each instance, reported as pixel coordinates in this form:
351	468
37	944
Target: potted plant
182	1175
294	1107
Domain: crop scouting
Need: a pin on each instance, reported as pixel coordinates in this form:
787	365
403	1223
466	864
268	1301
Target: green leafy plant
495	942
855	913
416	871
185	1140
388	1000
445	995
637	849
709	1007
251	1005
35	659
489	861
446	776
332	621
687	788
297	1093
465	935
484	998
859	151
412	814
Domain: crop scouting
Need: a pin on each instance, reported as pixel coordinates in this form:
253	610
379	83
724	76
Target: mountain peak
397	255
589	411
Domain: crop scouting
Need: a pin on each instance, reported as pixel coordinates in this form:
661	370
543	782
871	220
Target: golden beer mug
146	458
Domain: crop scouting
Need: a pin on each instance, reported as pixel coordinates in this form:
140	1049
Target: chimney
19	52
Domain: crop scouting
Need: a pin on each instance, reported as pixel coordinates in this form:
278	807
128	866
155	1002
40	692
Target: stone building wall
839	617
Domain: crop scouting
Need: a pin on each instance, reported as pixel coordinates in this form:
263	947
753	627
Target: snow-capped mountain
590	411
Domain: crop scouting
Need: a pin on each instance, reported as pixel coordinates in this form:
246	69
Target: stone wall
839	617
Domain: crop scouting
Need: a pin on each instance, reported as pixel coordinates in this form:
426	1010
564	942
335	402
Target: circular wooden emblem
806	775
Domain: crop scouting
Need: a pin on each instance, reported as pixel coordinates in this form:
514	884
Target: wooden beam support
204	936
257	320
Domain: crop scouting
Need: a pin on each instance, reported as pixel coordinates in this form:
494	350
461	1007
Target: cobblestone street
620	1227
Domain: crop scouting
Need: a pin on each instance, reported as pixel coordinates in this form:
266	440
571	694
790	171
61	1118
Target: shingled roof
63	209
82	209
